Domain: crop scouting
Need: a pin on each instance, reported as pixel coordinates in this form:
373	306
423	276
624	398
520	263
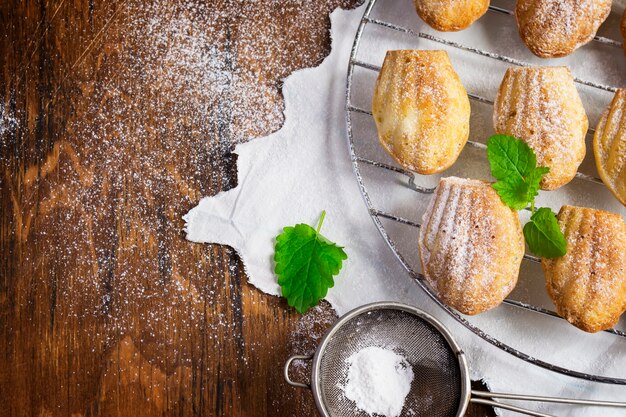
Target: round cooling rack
384	27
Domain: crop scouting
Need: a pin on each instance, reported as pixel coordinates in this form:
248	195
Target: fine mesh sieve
437	386
441	382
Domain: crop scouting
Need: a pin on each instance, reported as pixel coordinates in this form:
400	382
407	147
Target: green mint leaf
305	264
533	180
514	165
510	157
513	193
544	236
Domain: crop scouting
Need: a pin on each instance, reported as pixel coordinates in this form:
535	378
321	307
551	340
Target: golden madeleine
471	245
541	106
609	146
555	28
450	15
588	284
421	110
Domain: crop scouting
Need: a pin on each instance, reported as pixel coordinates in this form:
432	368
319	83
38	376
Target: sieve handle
486	394
288	364
509	407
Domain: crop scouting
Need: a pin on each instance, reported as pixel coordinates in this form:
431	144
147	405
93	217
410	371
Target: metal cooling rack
377	215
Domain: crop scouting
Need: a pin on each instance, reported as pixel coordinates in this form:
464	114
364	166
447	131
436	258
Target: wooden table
116	118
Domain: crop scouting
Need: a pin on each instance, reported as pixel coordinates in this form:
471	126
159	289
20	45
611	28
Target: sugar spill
378	381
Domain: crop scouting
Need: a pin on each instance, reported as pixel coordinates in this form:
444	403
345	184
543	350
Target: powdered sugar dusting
308	331
554	28
588	284
378	381
542	107
466	235
421	110
8	120
150	116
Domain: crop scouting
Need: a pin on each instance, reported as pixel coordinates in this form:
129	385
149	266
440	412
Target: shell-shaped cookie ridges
450	15
609	146
588	284
541	106
471	245
556	28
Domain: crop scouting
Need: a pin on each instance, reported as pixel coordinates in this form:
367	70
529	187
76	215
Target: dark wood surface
116	117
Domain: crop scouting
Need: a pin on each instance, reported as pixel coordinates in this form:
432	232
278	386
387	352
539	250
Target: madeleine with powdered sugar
450	15
588	284
540	105
555	28
471	245
421	110
609	146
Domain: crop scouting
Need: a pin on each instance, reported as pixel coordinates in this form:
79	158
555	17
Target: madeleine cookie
421	110
541	106
588	284
450	15
471	245
555	28
609	146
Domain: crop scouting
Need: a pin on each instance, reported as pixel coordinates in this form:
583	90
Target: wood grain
106	140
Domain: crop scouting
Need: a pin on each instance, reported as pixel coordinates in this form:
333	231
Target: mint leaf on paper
305	264
544	236
514	165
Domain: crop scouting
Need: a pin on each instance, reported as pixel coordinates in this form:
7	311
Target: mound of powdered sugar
378	381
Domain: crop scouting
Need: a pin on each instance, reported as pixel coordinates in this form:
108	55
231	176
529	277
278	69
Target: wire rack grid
377	215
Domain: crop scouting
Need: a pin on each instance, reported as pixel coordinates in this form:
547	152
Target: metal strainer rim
389	305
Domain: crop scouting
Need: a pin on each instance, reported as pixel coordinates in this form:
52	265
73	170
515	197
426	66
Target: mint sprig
305	264
514	166
543	234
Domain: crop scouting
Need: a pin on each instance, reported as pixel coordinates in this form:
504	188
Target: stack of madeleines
549	28
471	244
